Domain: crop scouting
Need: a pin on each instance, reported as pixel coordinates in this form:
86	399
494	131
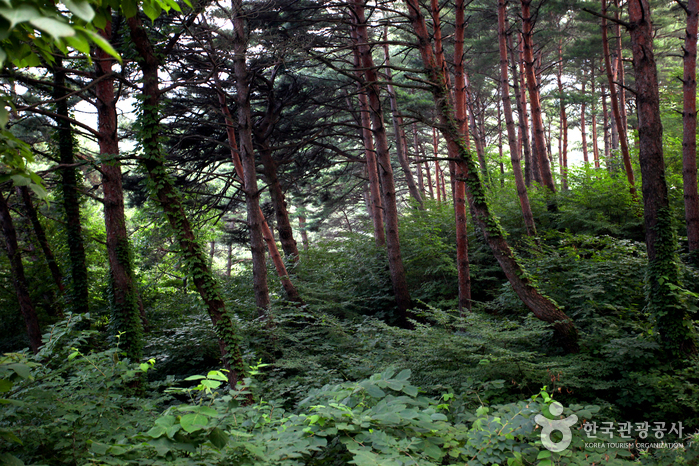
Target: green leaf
79	43
129	7
543	454
193	422
403	375
218	438
99	448
410	390
152	9
195	377
19	14
21	370
375	391
81	9
156	431
433	451
52	26
217	375
10	436
101	42
5	385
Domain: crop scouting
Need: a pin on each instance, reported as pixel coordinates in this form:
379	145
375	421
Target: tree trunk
78	298
543	307
671	319
563	138
615	104
304	233
420	179
401	149
266	232
126	316
170	201
689	129
532	85
276	193
593	111
605	121
459	191
510	124
40	233
377	213
583	130
521	101
435	146
18	279
388	190
620	71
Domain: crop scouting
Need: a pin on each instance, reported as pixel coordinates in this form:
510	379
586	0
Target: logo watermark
549	426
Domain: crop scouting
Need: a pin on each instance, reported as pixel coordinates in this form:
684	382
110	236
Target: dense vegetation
167	315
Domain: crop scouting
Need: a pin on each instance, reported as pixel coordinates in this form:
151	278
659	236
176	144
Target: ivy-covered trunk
388	190
510	124
671	320
19	281
126	317
525	287
77	297
463	266
170	200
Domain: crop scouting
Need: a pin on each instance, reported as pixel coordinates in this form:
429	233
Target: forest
321	232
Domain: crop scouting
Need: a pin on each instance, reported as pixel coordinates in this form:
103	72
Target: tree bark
563	138
459	192
170	201
544	308
31	321
435	147
78	296
521	101
605	121
671	319
532	85
420	179
593	111
388	190
689	129
126	316
40	233
615	104
376	211
510	124
583	130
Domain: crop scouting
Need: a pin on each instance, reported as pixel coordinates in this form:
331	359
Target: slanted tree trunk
170	201
30	210
544	308
77	297
615	104
388	190
459	191
304	232
689	128
126	317
510	124
376	211
397	118
532	86
19	281
266	232
671	319
521	101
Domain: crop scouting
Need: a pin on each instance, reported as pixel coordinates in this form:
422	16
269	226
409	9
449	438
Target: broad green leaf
81	9
10	436
5	385
21	370
193	422
152	9
3	57
375	391
433	451
410	390
79	42
403	375
165	421
129	7
218	438
156	431
217	375
20	14
99	448
53	27
102	43
195	377
543	454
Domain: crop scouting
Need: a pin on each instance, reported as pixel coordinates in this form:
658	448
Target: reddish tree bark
510	124
376	210
19	281
521	101
416	144
388	190
435	146
615	103
593	111
689	128
126	314
563	138
543	307
532	86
